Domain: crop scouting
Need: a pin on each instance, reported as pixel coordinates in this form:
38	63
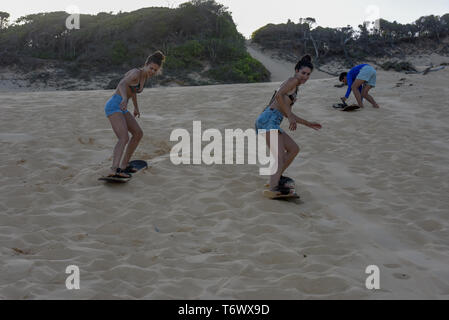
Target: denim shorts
368	74
269	119
113	105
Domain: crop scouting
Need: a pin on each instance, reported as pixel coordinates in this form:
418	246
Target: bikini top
136	88
292	96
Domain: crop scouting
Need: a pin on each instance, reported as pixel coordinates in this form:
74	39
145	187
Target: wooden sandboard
114	180
276	196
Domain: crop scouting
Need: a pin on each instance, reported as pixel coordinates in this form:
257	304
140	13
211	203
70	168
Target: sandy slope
280	69
373	185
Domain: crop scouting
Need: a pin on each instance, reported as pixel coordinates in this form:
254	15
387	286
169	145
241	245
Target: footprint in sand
21	252
205	250
401	276
90	142
392	266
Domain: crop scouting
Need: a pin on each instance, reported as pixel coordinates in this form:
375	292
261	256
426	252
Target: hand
292	121
315	126
136	113
124	105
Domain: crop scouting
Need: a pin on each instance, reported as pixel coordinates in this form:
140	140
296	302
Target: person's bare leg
274	179
120	129
137	135
355	89
365	94
291	153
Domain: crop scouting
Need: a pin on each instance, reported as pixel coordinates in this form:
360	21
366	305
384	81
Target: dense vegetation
381	38
197	37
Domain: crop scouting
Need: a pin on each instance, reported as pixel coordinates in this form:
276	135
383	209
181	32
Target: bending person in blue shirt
360	79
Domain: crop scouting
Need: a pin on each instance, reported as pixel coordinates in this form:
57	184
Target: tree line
198	36
370	39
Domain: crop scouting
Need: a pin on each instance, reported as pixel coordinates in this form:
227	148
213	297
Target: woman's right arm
288	86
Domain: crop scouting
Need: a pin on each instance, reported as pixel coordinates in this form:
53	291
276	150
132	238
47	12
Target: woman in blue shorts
279	107
122	121
360	80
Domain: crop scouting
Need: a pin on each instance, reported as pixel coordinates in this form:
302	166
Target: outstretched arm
306	123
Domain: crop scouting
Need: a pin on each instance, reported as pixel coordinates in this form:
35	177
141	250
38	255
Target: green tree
4	20
195	36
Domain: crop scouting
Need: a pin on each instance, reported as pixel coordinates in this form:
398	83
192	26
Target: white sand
280	69
373	188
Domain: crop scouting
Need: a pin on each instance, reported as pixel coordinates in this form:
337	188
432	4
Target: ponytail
157	58
305	61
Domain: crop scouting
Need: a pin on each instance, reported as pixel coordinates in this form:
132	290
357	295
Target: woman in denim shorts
279	107
122	121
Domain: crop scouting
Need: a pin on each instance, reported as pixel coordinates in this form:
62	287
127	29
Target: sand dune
279	69
373	186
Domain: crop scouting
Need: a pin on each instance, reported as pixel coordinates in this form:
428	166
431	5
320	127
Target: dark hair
343	75
157	58
305	61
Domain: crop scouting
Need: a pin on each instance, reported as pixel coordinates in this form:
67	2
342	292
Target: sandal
283	190
119	173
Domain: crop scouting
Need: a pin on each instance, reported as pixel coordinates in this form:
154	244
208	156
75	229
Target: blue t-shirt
352	75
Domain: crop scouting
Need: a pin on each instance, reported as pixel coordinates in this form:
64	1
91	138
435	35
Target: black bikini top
291	96
136	88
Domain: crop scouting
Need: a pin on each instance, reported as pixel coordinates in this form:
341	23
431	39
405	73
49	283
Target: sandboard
139	165
275	195
345	107
114	180
136	164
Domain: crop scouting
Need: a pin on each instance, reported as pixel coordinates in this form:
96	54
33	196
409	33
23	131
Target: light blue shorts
368	74
269	119
113	105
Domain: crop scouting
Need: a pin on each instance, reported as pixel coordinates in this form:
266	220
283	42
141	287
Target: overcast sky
249	15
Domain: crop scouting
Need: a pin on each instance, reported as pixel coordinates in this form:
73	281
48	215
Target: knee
123	139
295	150
138	134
